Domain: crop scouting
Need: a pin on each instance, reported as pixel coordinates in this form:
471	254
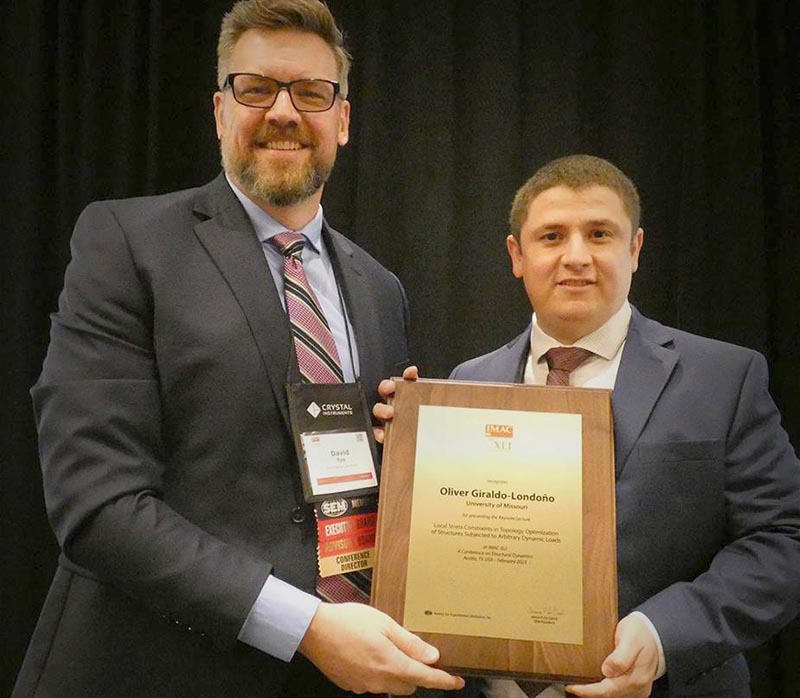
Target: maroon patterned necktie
562	361
316	351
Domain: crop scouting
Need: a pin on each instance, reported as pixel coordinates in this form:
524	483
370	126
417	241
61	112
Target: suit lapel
227	235
363	314
511	365
647	363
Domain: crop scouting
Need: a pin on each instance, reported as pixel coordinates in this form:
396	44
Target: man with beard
188	563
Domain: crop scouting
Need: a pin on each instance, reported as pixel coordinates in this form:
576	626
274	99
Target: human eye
310	91
255	87
260	90
550	236
313	93
600	233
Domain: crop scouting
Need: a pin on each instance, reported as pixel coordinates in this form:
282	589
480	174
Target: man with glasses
188	563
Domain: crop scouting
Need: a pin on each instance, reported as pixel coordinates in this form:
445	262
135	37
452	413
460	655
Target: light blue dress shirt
282	613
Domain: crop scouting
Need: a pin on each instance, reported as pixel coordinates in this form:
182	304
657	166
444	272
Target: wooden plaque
446	546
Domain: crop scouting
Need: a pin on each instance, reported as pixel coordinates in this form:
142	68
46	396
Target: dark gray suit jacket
708	499
169	471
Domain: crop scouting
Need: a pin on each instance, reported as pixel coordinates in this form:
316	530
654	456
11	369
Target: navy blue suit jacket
708	499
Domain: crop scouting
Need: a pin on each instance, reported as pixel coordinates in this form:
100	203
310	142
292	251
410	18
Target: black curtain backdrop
455	104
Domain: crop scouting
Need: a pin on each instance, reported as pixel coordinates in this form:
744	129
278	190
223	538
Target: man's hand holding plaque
383	410
363	650
631	668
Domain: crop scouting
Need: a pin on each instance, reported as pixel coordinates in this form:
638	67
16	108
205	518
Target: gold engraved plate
499	498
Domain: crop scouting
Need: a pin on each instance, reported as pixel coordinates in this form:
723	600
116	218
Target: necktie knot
290	244
562	361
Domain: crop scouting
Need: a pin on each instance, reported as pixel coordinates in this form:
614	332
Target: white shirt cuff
662	660
279	619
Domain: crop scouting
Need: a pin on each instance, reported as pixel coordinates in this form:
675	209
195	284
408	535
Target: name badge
333	438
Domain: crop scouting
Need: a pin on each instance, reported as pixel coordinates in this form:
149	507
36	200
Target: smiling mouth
576	283
282	145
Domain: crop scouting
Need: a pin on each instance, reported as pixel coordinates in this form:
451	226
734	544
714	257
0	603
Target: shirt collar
267	227
605	341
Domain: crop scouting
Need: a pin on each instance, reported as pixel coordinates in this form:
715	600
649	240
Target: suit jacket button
298	515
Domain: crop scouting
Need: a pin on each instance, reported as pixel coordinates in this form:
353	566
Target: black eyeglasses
261	91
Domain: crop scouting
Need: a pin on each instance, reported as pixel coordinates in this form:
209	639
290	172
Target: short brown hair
303	15
575	172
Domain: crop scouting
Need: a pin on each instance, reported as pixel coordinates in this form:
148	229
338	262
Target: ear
343	135
636	246
219	113
515	252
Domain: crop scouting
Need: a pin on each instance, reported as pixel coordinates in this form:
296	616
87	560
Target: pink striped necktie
562	361
316	351
318	360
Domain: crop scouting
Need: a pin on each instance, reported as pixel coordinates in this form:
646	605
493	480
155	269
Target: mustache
290	132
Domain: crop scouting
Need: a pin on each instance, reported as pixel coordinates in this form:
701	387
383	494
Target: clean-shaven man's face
576	255
279	155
